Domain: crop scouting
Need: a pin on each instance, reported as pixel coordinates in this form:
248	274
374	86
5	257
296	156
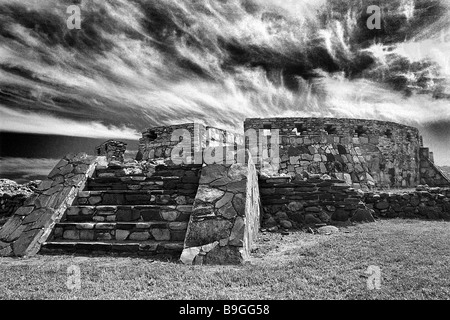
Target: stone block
27	244
160	234
85	226
139	236
286	224
340	215
94	200
226	198
122	235
311	219
87	235
127	215
150	214
169	215
103	236
178	225
208	231
105	226
71	235
382	205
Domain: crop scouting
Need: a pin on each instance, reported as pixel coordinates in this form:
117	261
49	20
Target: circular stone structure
365	153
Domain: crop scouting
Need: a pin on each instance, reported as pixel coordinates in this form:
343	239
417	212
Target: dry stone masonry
129	208
303	202
13	196
187	143
300	202
200	194
9	204
225	218
31	224
112	149
423	203
430	174
365	153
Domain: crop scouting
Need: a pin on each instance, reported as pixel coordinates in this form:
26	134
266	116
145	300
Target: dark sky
25	145
25	157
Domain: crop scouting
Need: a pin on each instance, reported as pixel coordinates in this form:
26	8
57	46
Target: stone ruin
200	194
112	149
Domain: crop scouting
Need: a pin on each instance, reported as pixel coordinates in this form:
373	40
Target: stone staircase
129	212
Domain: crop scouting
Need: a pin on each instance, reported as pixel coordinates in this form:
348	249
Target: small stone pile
13	195
12	188
31	224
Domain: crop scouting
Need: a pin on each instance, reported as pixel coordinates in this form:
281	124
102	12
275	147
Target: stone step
275	179
128	213
146	248
304	195
130	197
120	231
158	171
143	183
301	184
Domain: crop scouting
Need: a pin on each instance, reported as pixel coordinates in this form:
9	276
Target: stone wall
430	174
13	195
157	143
368	153
300	203
112	149
225	217
9	204
297	203
424	203
186	143
121	231
30	226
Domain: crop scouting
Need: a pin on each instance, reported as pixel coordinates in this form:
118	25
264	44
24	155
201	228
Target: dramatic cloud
136	64
24	169
14	121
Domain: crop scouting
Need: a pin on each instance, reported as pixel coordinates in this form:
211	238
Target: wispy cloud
137	64
26	169
16	121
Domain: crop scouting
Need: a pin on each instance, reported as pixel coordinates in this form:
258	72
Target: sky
137	64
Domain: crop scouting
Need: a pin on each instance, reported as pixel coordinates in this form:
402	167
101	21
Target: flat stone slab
129	213
131	247
326	230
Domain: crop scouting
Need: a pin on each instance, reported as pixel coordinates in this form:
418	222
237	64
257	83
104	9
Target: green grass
413	256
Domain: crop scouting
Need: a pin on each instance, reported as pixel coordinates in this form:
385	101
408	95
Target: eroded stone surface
207	231
161	234
211	173
228	196
32	224
207	194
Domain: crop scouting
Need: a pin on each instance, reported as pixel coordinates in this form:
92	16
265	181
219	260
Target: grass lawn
414	258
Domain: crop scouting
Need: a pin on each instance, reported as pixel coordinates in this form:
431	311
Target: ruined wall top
186	140
366	153
338	126
113	150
